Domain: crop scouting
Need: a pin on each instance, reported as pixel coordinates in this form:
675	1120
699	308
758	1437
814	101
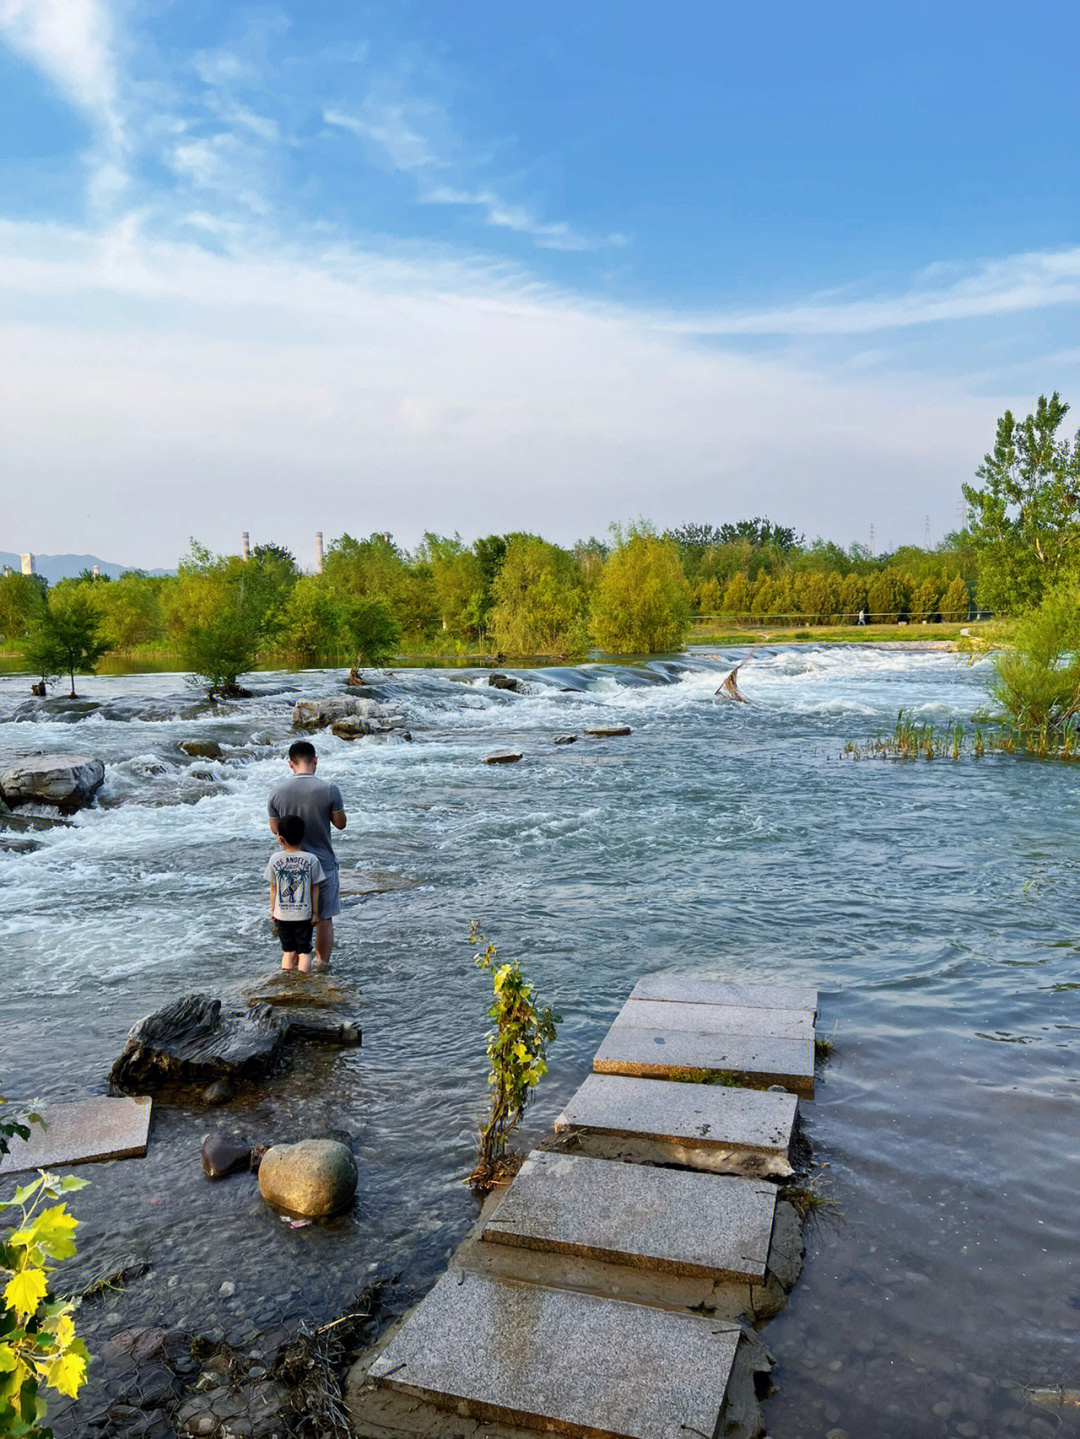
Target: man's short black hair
291	828
302	749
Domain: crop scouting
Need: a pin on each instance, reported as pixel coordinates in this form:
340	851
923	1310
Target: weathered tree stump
193	1040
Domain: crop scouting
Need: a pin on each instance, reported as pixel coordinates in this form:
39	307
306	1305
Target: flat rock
318	713
65	780
607	731
703	1126
197	1039
551	1359
375	881
201	748
688	989
668	1220
717	1018
503	756
754	1060
80	1133
289	989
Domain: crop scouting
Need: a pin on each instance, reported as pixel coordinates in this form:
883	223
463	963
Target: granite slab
717	1018
696	1124
551	1359
668	1220
688	989
757	1061
81	1132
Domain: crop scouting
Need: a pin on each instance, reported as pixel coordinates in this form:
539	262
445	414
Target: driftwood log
195	1040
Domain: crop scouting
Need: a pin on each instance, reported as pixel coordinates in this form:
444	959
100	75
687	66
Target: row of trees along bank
515	594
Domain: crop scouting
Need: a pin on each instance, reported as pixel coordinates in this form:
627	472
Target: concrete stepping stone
703	1126
717	1018
553	1359
667	1220
757	1061
686	989
80	1133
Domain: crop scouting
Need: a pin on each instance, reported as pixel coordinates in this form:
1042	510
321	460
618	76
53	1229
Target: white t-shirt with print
292	873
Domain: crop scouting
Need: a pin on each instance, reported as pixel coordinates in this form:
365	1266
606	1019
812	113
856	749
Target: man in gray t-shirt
321	808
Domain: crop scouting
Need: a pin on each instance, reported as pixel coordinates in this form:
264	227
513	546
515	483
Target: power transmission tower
871	541
926	533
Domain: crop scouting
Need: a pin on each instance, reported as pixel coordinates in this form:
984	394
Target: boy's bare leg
324	942
305	964
288	959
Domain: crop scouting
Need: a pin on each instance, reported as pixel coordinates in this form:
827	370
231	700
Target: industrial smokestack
318	552
245	546
28	564
96	572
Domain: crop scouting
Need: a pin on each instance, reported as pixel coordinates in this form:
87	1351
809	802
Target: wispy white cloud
408	134
241	382
1033	281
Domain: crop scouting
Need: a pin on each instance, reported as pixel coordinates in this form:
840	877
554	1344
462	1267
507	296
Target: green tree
309	621
955	602
458	578
737	597
370	630
852	596
130	610
66	640
540	600
22	599
217	611
642	603
1024	519
926	598
1037	682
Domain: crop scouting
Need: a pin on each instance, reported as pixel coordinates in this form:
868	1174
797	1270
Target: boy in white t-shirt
294	877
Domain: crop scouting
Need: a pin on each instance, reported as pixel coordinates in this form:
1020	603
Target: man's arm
272	898
315	903
273	824
337	818
337	808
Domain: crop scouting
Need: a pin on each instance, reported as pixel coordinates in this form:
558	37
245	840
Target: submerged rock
202	748
290	988
195	1040
65	780
374	881
565	739
509	682
224	1154
315	1177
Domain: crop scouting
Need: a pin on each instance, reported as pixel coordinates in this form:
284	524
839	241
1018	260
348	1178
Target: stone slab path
548	1358
80	1133
703	1126
754	1060
717	1018
661	1219
685	989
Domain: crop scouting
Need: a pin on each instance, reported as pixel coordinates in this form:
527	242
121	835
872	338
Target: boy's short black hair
291	828
302	749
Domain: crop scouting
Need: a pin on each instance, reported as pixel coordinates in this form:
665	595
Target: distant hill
67	567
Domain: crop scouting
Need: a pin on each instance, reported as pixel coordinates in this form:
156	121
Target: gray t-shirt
314	801
292	873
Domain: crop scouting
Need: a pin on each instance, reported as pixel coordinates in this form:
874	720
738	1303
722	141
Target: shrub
38	1345
1037	682
642	604
516	1049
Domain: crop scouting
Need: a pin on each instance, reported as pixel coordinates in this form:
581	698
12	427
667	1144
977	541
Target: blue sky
483	266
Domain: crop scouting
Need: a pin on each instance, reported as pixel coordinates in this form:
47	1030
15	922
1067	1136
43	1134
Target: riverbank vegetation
506	596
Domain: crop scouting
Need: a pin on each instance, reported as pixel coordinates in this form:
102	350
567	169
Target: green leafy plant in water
517	1049
38	1344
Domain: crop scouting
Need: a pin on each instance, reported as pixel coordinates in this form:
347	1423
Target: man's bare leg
324	942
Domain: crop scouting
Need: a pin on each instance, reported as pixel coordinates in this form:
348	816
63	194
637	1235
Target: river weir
932	904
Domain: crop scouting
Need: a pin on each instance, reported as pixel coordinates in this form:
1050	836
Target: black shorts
295	935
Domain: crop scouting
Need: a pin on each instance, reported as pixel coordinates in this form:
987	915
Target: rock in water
289	988
317	714
193	1040
225	1154
66	780
202	748
508	682
607	731
504	756
375	881
565	739
315	1177
220	1092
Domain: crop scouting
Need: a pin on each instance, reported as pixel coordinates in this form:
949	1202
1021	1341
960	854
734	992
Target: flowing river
933	903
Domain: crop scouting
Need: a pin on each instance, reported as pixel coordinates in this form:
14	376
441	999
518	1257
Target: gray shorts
329	894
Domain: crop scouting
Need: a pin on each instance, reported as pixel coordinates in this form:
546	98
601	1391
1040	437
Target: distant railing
846	617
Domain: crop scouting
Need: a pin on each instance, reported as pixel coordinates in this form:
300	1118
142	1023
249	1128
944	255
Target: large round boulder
314	1178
